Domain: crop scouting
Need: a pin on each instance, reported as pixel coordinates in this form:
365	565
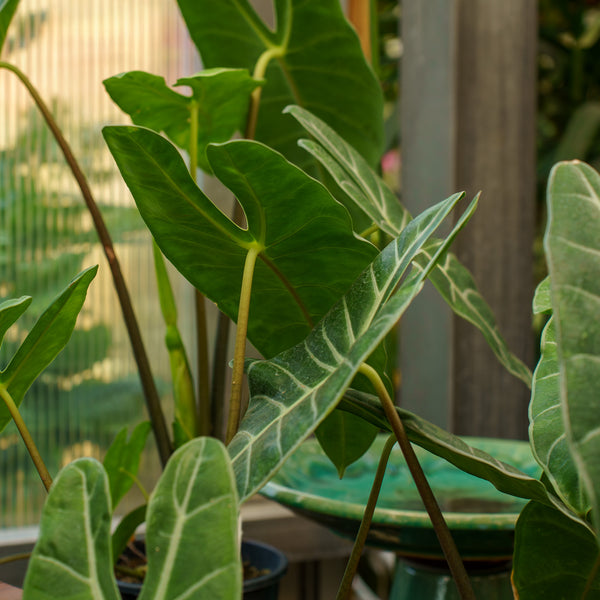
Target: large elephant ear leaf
7	11
316	62
73	555
46	339
293	392
572	244
192	527
371	194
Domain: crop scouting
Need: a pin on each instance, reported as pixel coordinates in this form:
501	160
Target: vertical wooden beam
468	123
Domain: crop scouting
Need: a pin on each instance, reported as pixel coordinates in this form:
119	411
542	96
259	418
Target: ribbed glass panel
68	47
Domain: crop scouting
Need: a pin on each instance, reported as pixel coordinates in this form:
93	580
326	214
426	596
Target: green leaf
547	431
344	438
10	311
72	557
542	303
122	460
126	529
219	97
45	340
316	62
572	244
192	527
452	280
293	392
554	557
309	253
452	448
7	11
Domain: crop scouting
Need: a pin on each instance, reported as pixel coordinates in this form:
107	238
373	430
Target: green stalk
235	402
440	526
345	588
157	417
27	439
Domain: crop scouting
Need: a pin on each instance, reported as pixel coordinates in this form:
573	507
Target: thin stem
361	537
143	364
235	403
440	527
15	557
27	439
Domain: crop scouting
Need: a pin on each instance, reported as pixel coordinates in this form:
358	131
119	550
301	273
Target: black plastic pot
261	556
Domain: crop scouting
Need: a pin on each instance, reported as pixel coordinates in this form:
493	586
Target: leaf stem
440	527
361	537
235	402
27	439
143	364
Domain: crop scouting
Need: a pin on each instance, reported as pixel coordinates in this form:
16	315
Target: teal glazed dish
481	518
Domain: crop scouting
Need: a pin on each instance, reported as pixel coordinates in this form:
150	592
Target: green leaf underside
192	527
452	280
572	245
46	339
293	392
221	96
122	460
73	557
546	428
7	11
310	255
319	65
542	302
554	558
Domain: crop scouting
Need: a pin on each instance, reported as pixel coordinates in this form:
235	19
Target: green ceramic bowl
481	518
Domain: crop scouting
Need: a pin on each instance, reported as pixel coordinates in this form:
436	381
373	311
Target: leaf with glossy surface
7	12
293	392
192	527
72	557
554	557
45	340
219	98
122	460
572	244
452	280
309	254
316	62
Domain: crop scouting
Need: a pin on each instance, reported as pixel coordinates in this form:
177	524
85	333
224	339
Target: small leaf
293	392
72	557
7	11
46	339
126	529
192	527
122	460
554	557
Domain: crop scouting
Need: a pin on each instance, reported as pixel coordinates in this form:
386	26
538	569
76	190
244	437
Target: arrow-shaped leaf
72	557
308	253
45	340
293	392
572	245
192	536
219	101
452	280
316	62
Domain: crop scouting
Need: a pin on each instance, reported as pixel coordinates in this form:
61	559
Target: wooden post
489	146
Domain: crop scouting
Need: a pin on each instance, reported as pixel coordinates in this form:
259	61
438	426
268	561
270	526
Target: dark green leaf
10	311
7	11
126	529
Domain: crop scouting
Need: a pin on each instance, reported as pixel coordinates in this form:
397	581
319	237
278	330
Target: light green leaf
309	254
555	558
316	62
572	244
452	280
122	460
7	11
72	557
192	527
219	99
293	392
45	340
10	311
542	303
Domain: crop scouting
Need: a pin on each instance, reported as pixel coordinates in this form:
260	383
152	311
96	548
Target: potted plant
314	296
